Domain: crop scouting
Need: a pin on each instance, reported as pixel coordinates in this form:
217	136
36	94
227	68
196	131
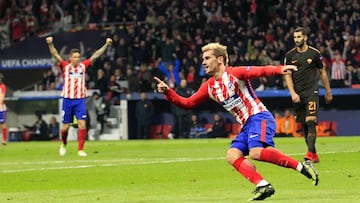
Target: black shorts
308	106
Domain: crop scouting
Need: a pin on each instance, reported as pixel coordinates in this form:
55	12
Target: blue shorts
2	117
258	131
73	107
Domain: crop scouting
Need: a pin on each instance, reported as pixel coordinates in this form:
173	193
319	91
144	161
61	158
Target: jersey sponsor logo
231	102
309	61
294	61
76	75
312	112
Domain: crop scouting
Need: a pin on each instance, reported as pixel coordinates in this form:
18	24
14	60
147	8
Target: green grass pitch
170	171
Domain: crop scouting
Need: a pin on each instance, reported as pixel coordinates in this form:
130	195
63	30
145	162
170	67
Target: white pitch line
125	161
133	162
116	162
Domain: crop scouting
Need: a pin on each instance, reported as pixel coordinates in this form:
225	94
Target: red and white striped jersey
338	69
233	91
74	79
3	91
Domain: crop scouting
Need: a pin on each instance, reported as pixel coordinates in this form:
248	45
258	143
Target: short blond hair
218	49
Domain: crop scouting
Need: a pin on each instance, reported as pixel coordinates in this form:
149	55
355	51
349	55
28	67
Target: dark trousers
182	126
337	83
39	137
143	130
102	120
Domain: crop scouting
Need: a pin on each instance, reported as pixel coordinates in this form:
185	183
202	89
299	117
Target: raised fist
49	40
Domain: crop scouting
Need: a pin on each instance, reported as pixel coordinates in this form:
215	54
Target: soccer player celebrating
304	89
74	92
3	110
231	88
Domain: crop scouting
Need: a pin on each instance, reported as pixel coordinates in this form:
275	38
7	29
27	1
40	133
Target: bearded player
304	89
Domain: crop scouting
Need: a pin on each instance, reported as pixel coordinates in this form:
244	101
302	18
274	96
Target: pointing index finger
157	80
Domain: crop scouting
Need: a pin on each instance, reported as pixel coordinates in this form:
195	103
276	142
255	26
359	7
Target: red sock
81	138
5	135
247	169
275	156
64	135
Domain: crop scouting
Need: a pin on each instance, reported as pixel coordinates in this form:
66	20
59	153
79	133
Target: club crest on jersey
309	61
230	84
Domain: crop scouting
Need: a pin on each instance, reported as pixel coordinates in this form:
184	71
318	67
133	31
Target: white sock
299	166
262	183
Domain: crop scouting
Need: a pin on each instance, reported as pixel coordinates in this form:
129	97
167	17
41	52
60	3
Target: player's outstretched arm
102	50
53	50
197	98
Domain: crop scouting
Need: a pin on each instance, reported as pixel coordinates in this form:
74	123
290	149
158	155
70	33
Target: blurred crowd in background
163	38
